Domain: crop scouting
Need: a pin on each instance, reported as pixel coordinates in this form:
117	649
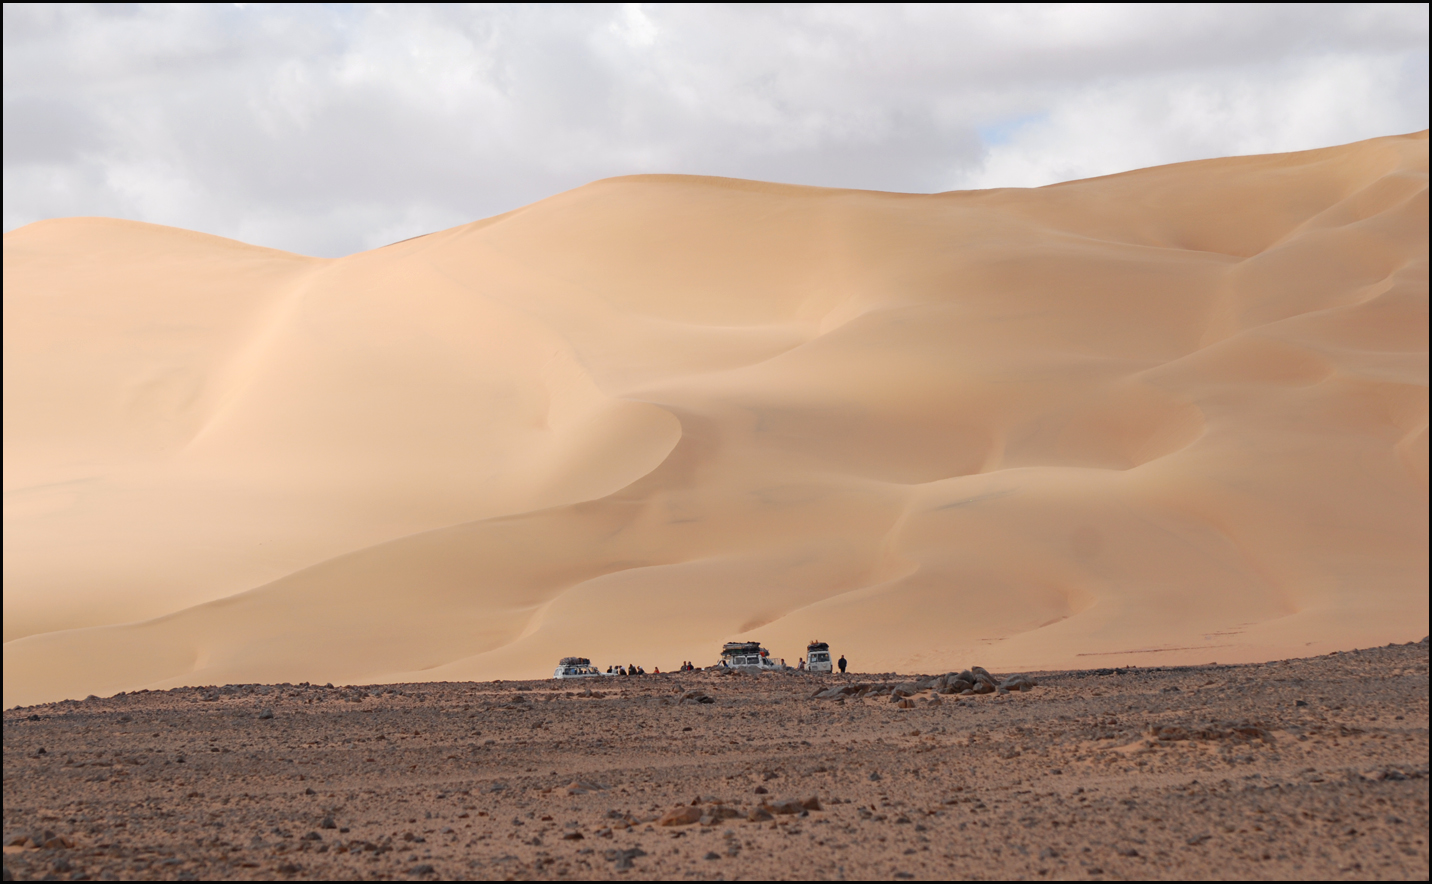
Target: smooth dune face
1171	416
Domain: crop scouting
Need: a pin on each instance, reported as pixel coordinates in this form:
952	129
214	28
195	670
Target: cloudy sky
330	129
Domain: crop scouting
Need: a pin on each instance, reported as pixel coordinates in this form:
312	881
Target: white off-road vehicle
818	657
576	667
749	657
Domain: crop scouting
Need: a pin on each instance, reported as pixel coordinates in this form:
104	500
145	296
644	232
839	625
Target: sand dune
1175	415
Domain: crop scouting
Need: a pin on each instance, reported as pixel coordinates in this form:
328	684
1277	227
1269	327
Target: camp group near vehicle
745	656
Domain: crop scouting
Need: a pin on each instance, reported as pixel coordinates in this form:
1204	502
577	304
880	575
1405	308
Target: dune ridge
1173	415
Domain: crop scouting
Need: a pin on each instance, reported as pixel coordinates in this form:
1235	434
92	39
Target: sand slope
1174	415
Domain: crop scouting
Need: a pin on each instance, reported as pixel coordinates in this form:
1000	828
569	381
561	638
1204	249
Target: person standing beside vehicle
841	664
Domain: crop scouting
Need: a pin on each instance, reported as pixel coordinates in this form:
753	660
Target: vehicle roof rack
741	648
574	661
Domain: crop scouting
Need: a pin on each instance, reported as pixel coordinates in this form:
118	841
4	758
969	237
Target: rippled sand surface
1172	416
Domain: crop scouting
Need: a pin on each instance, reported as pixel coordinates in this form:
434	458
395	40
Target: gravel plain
1309	768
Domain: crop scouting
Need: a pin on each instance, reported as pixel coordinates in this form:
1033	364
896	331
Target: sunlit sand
1172	416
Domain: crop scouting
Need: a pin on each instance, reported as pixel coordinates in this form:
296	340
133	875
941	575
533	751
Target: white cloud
326	129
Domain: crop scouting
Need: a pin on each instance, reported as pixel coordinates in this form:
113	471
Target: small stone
266	714
1018	683
760	790
811	803
573	836
312	836
328	823
790	806
684	815
1300	703
713	855
309	791
874	777
422	869
759	815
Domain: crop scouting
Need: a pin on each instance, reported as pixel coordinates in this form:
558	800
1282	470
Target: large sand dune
1175	415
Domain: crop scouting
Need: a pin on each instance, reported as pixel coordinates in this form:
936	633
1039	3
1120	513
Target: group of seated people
634	669
627	670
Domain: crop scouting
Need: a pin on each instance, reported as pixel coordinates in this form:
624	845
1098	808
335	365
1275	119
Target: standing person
841	664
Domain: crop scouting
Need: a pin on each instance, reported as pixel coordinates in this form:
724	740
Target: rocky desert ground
1309	768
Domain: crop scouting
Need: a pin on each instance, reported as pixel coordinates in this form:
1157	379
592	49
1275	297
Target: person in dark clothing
841	664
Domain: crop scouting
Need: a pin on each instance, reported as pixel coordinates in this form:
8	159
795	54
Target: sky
330	129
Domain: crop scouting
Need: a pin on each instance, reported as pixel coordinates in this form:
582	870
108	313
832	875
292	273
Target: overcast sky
330	129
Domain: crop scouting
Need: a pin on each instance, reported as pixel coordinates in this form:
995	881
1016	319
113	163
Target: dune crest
1174	415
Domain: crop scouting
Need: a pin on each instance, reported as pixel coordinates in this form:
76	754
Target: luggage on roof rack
575	661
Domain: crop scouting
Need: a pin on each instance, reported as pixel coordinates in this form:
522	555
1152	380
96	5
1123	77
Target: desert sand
1308	769
1173	416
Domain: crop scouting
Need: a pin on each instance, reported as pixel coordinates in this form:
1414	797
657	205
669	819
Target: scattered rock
328	823
582	787
422	869
1300	703
811	803
905	689
1018	683
759	815
684	815
760	790
696	696
623	858
266	714
718	813
1168	733
789	806
712	855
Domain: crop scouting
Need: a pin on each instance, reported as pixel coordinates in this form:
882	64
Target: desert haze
1172	416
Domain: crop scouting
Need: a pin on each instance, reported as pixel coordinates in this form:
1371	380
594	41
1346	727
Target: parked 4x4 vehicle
818	657
576	667
750	657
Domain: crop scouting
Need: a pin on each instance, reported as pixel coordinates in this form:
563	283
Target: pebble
684	815
266	714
